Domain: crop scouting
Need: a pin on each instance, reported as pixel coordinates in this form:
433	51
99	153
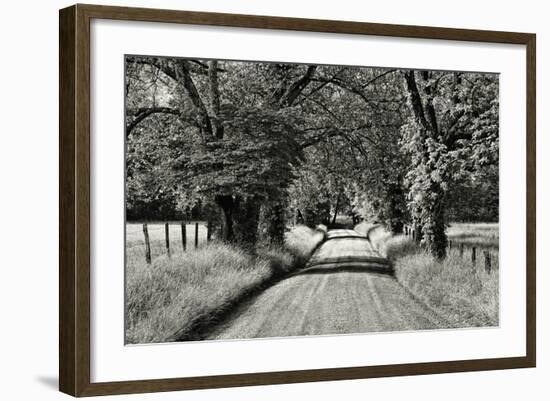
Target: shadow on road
358	267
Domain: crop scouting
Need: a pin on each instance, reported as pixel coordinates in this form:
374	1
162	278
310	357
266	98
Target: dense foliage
257	146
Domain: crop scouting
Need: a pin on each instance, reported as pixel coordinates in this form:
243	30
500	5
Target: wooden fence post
461	250
487	255
167	238
208	231
196	235
450	245
473	256
147	244
184	236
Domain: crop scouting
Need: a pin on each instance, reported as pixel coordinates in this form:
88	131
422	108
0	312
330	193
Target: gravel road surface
346	288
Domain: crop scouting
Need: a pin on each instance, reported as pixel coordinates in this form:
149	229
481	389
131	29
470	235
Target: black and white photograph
275	200
268	199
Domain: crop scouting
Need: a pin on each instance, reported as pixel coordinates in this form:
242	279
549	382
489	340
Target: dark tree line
257	146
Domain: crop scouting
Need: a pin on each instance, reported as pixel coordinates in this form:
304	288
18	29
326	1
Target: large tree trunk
273	222
241	218
429	210
226	203
433	229
396	205
246	220
217	123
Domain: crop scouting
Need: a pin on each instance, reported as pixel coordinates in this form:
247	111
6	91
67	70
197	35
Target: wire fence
477	253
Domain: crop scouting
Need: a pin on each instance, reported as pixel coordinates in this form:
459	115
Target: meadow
483	235
466	294
135	240
174	297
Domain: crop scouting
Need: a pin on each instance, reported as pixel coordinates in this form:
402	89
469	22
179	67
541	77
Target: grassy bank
171	297
365	228
466	295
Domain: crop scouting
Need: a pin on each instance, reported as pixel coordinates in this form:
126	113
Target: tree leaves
394	144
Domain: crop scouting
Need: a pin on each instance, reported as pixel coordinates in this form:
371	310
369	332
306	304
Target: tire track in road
299	323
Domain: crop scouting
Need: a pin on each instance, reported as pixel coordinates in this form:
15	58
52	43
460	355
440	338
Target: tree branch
142	113
179	71
377	78
183	76
204	68
430	110
297	87
358	91
416	100
215	98
344	85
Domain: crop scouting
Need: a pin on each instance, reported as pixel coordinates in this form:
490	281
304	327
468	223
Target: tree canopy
257	146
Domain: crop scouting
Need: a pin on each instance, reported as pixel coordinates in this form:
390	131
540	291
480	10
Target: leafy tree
256	144
365	113
232	146
248	167
474	197
453	114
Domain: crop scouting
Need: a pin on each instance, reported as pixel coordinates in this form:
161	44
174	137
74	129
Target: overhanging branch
142	113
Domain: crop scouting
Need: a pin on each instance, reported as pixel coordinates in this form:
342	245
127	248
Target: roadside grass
301	241
365	228
466	295
168	299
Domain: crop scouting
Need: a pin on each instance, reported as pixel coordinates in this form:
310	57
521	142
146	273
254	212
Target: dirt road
345	288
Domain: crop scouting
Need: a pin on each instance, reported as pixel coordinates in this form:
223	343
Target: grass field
135	239
484	235
168	299
466	295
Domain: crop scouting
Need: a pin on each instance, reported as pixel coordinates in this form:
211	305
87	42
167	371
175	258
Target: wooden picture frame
74	200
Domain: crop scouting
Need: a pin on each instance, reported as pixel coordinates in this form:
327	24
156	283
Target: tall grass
301	242
466	295
395	247
169	299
